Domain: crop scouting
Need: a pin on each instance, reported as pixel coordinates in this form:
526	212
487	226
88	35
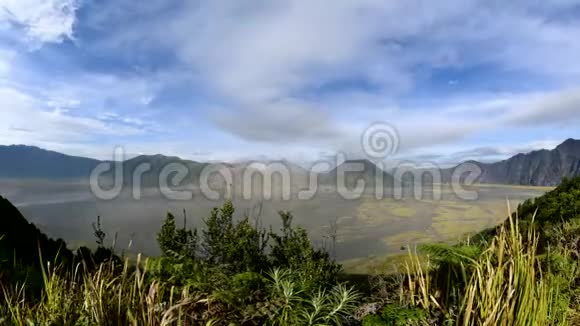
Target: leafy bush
177	243
239	246
293	250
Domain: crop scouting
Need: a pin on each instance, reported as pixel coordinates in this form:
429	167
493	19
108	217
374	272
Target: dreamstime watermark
380	140
350	179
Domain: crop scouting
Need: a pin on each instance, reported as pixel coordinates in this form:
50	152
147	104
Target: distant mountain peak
473	162
145	157
364	161
569	143
21	146
368	166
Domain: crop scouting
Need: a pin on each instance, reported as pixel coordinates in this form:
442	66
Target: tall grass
128	295
102	297
505	285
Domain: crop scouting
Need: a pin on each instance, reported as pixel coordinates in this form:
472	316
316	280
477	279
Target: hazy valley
364	227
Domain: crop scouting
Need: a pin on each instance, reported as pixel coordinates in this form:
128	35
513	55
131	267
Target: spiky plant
300	306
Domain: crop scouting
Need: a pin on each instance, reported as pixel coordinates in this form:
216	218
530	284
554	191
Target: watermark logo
380	140
115	167
351	179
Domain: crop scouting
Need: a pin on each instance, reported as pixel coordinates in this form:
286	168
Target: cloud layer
295	78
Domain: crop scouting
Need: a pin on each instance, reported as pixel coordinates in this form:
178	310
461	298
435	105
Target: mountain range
537	168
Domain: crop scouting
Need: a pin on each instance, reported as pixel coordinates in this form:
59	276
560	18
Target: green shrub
293	250
249	281
238	246
396	315
402	316
374	320
177	243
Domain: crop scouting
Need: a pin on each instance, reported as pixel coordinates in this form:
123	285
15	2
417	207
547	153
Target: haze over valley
64	205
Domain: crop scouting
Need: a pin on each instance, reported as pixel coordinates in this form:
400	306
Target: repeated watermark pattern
350	179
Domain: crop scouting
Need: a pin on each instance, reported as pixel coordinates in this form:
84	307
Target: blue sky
234	80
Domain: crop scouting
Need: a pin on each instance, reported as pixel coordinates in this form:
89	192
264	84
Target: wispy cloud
41	21
31	120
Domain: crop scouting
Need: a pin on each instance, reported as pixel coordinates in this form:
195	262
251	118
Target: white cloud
261	50
256	53
447	128
279	122
7	57
30	121
558	108
42	21
146	100
63	103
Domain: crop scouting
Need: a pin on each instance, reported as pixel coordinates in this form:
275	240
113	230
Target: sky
300	80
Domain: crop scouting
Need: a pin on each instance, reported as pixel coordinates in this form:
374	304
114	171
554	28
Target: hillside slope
19	161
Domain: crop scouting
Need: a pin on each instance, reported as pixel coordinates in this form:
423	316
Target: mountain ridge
368	174
22	161
536	168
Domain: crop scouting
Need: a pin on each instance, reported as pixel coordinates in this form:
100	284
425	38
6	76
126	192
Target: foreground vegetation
235	272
